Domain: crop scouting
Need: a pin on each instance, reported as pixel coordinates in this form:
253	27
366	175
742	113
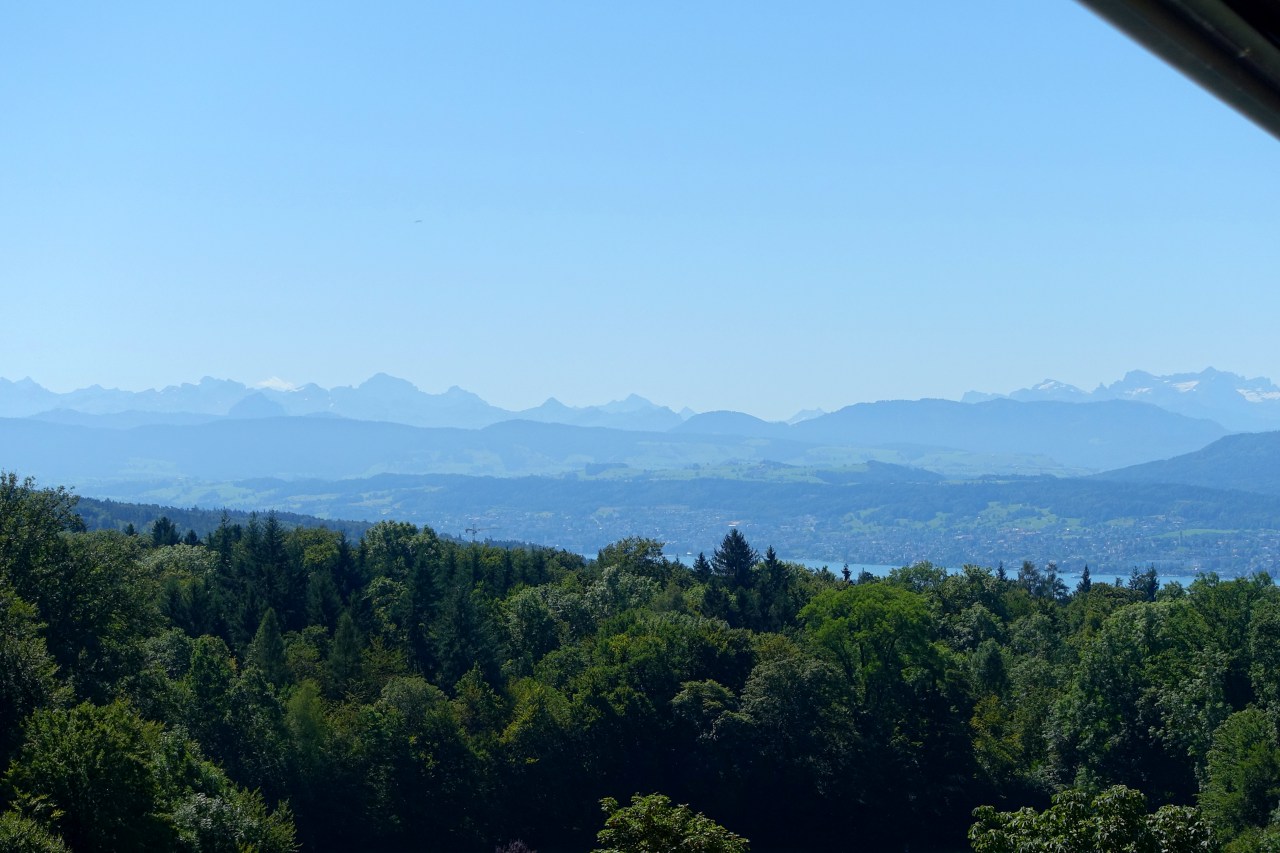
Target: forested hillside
192	522
1249	462
267	688
880	515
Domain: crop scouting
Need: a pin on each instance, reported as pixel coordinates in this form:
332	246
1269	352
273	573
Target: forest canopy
272	688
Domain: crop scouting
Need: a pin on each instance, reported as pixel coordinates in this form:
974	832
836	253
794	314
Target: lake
1070	578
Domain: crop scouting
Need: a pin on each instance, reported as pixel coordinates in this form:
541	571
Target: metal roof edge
1212	44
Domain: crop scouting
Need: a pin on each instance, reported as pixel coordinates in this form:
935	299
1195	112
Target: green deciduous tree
208	686
104	779
423	776
87	774
32	521
27	670
19	834
874	632
99	603
1243	785
652	824
794	733
1115	820
1109	721
637	556
232	821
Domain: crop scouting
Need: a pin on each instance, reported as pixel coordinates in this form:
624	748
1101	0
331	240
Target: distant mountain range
956	439
1239	404
379	398
1096	436
878	481
221	429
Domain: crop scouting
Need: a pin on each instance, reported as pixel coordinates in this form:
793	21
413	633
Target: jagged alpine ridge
1239	404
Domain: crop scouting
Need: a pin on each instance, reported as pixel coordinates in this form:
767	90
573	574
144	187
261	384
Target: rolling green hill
1248	462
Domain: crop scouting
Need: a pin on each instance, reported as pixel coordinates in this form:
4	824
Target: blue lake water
856	568
1070	578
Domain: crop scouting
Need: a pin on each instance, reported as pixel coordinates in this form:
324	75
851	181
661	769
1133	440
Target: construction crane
474	530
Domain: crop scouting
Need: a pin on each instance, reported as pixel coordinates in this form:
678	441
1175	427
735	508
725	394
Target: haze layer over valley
995	478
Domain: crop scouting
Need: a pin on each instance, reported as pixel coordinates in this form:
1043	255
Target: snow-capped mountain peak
1230	399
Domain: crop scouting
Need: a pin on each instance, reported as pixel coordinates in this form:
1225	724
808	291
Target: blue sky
715	205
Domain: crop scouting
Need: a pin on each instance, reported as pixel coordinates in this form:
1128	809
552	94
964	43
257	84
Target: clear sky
764	207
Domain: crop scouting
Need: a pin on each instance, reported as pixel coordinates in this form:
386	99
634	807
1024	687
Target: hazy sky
764	207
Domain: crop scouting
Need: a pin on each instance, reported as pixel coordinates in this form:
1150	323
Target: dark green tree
324	604
208	686
1146	582
465	636
345	664
267	651
702	568
422	774
793	742
27	671
1109	719
258	757
734	559
164	532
